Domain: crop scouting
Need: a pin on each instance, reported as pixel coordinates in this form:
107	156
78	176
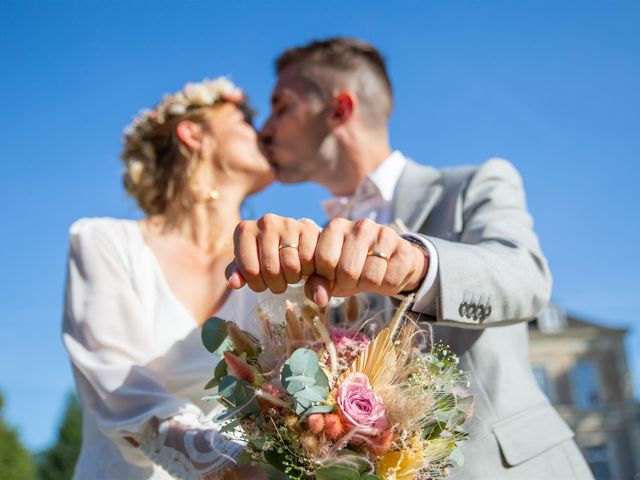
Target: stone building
582	368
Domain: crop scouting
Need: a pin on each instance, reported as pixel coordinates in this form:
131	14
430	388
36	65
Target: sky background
551	86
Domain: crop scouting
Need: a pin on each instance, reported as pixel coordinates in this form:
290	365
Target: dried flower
316	422
333	426
135	169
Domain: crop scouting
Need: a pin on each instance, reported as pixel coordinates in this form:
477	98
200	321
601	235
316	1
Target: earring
213	195
198	192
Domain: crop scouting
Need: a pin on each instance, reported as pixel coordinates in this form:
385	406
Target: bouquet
318	399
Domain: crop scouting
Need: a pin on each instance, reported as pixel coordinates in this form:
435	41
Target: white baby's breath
202	94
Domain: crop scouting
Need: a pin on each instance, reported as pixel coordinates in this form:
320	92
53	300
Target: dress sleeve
109	337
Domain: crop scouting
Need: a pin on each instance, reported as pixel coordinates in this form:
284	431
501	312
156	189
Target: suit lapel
416	193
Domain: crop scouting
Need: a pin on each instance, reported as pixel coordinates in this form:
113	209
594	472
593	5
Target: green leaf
212	383
275	460
314	394
459	415
273	473
319	409
351	459
337	472
220	371
227	386
214	332
302	405
321	379
457	456
244	458
303	362
434	429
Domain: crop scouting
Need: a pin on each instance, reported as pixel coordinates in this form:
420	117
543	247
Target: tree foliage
58	462
15	461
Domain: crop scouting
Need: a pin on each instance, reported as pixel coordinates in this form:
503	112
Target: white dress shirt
374	199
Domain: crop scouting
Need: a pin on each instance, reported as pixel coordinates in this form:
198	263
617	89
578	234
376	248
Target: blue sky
552	86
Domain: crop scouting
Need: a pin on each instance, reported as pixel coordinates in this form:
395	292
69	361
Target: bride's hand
343	259
272	252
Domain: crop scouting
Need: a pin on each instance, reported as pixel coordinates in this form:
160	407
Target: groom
470	254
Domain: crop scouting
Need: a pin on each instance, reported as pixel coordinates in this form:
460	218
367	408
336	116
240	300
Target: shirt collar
381	182
386	176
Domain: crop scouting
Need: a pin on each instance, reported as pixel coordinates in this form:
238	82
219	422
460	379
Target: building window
585	385
543	381
598	459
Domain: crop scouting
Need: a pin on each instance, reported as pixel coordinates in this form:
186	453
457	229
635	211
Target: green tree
15	461
58	462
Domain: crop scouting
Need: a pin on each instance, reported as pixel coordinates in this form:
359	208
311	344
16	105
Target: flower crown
194	95
203	94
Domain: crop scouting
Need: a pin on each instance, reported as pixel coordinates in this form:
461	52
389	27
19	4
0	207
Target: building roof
555	320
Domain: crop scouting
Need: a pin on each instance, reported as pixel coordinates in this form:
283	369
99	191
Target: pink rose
362	410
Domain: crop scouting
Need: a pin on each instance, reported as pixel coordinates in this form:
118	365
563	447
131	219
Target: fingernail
234	280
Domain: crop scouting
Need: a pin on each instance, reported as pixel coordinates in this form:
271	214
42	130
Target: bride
138	291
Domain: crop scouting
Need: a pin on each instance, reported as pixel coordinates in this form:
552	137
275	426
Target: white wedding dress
138	361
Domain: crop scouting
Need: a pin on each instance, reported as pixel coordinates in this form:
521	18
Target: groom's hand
364	256
344	259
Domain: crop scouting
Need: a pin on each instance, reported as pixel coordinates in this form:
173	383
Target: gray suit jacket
493	279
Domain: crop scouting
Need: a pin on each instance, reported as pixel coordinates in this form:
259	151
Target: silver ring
375	253
288	245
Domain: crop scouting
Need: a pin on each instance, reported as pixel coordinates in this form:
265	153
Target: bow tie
364	200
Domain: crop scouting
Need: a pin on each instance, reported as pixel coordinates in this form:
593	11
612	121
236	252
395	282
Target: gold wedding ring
288	245
375	253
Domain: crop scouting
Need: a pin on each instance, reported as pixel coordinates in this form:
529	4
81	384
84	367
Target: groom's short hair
349	60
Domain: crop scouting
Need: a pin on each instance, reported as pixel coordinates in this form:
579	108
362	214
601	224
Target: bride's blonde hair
158	165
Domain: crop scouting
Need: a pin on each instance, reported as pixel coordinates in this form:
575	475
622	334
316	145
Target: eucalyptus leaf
321	379
214	332
303	362
319	409
227	386
220	371
314	394
302	405
212	383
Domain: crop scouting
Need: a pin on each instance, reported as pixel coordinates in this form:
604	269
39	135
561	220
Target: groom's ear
343	107
190	134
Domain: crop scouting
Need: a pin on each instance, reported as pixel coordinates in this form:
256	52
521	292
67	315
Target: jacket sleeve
495	273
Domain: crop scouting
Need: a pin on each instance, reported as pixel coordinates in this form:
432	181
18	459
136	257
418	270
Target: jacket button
471	311
462	310
480	312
